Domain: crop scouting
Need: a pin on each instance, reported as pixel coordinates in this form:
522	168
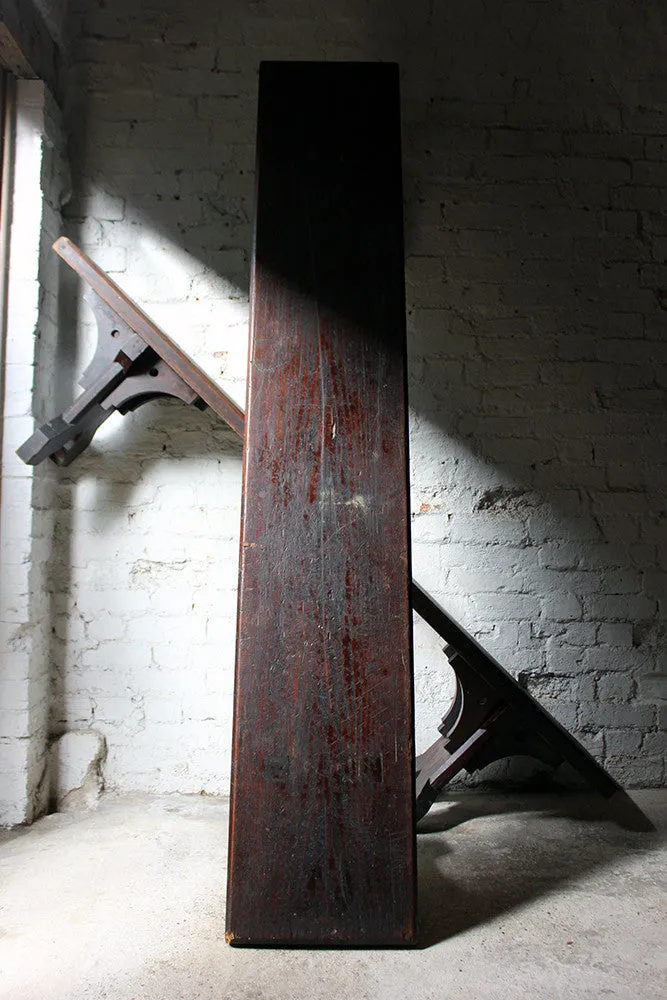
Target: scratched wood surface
322	833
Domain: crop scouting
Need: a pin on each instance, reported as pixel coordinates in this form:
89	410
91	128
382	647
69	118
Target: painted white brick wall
536	227
26	508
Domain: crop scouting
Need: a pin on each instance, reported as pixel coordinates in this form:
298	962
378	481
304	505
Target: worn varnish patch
322	833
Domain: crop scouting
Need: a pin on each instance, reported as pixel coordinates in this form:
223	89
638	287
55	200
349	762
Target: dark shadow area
459	805
329	208
472	871
58	387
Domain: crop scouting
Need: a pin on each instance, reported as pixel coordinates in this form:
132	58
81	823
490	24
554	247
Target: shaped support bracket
124	373
492	717
135	362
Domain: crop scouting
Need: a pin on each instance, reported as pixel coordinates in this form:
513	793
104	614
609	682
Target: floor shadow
481	856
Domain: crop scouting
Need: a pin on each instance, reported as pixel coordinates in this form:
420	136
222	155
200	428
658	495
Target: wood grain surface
322	833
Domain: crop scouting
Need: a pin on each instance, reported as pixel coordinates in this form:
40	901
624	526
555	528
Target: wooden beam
322	824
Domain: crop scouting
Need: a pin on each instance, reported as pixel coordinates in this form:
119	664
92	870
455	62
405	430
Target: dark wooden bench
483	685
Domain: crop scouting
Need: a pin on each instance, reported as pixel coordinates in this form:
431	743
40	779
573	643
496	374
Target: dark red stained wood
322	832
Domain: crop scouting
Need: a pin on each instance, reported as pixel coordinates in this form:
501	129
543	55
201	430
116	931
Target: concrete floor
520	896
